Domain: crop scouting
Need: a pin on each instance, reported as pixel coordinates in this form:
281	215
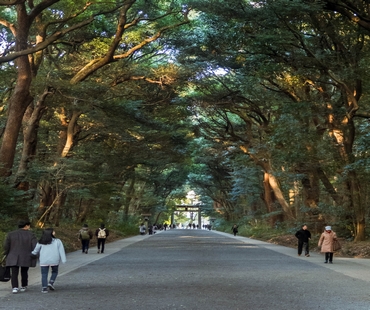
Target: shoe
51	287
102	252
23	289
326	262
86	251
15	290
44	290
299	254
307	255
98	251
330	262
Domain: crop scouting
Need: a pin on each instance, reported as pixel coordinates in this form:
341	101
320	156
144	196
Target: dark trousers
85	245
329	256
101	242
303	245
15	273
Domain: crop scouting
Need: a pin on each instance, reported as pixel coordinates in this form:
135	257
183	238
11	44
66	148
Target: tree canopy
116	109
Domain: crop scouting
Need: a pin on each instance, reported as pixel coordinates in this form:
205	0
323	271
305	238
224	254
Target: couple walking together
22	250
326	242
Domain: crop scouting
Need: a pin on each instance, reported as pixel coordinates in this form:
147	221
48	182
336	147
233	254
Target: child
51	252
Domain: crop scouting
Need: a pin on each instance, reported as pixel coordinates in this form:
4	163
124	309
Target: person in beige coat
326	243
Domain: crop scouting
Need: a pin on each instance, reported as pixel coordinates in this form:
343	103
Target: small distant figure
235	229
101	233
165	225
326	242
17	248
85	235
150	229
142	229
303	236
51	253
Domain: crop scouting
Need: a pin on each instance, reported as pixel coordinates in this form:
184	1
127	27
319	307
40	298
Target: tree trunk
279	196
269	199
31	122
358	207
85	207
20	97
73	129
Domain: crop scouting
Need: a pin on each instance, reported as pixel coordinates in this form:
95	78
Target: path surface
197	269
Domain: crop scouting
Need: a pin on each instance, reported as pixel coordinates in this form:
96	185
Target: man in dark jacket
18	247
85	235
303	237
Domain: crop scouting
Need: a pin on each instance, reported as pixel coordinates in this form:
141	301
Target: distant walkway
197	269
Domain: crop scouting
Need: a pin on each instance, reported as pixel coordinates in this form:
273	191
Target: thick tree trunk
73	129
272	181
279	196
358	207
31	122
20	97
18	103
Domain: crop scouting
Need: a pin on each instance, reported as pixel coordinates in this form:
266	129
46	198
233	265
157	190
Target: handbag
4	271
336	245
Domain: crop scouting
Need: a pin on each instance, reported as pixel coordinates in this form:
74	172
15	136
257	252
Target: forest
111	110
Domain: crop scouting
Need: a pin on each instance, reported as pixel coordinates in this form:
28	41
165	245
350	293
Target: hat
328	228
85	225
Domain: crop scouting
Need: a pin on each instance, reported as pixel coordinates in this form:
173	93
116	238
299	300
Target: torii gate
188	208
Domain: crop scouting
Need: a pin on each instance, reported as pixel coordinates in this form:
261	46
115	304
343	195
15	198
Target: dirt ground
349	248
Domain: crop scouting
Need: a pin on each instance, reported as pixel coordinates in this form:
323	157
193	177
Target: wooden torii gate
188	208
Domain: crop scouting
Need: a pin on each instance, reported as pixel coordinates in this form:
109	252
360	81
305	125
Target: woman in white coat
51	253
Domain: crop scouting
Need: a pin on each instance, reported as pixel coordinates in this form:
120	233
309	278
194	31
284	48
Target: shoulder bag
4	271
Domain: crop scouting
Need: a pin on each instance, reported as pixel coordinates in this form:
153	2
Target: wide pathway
197	269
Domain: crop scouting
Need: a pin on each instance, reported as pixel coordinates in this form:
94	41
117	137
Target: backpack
102	234
84	234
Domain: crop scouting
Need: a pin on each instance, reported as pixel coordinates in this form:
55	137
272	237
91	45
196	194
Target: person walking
235	229
326	243
17	248
51	253
142	229
303	236
85	235
101	233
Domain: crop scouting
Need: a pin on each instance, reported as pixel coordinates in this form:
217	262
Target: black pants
329	256
15	273
85	245
101	242
301	245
